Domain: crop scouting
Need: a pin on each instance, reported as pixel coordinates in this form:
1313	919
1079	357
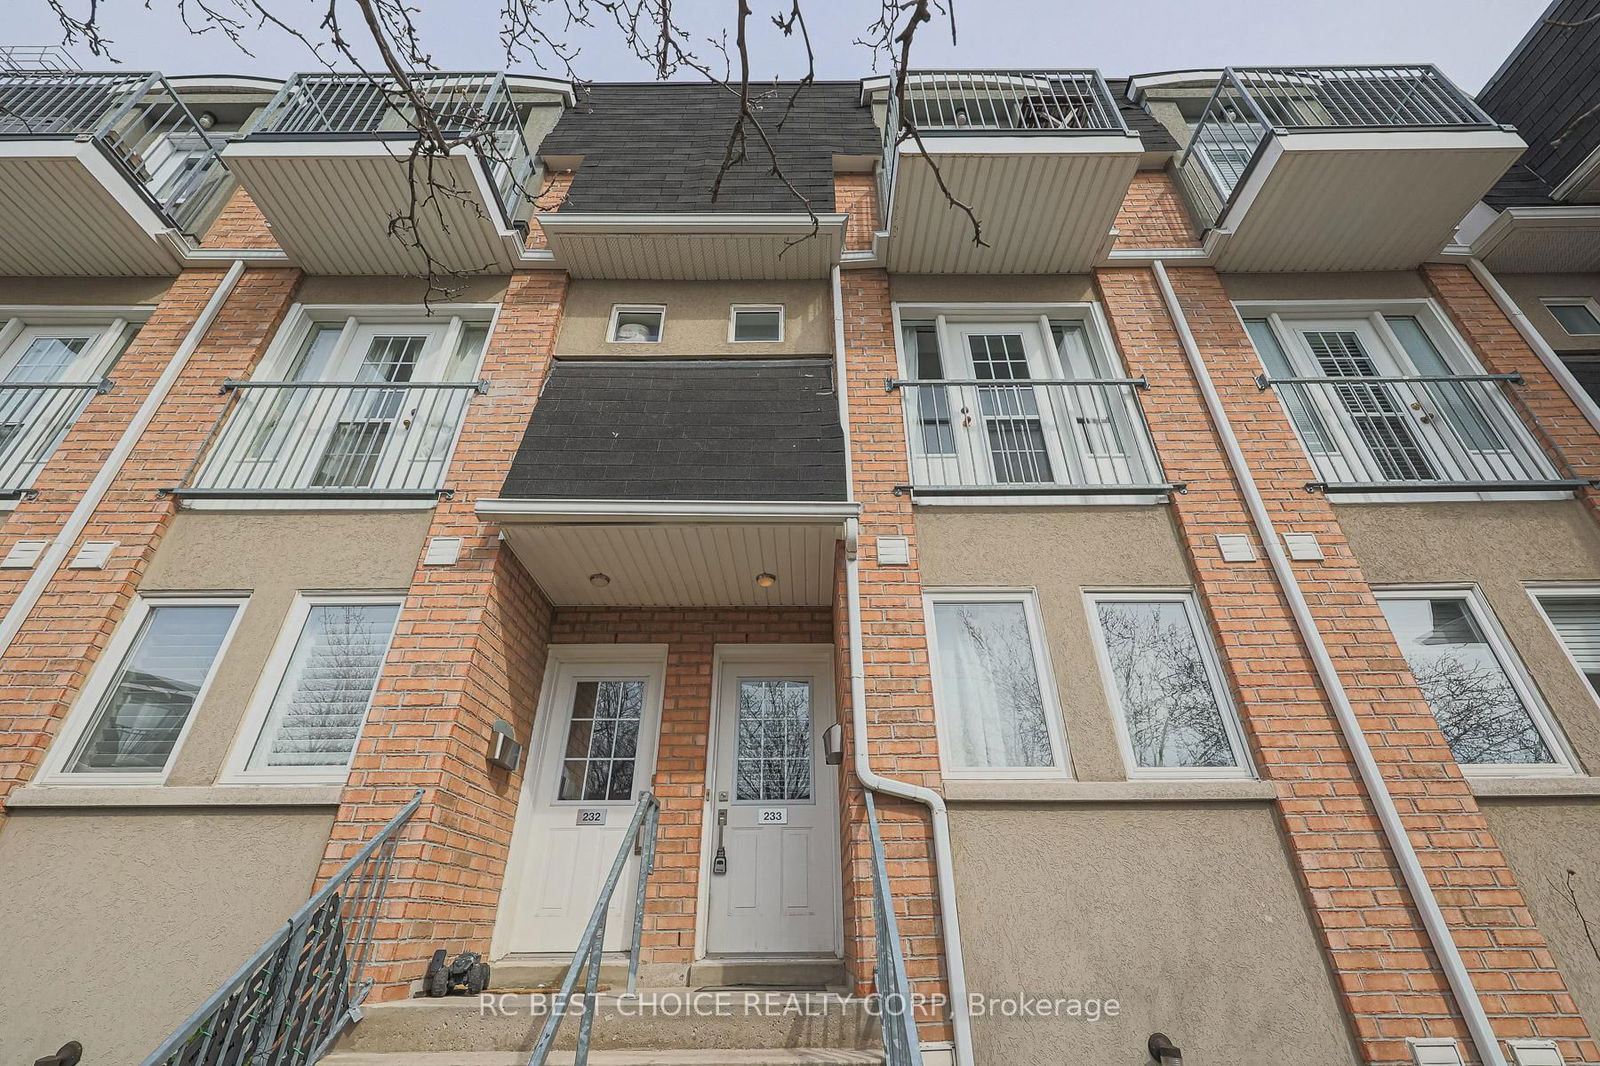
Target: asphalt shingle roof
1155	136
713	429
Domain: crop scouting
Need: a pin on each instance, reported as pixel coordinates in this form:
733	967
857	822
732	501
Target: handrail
34	418
640	837
901	1045
291	999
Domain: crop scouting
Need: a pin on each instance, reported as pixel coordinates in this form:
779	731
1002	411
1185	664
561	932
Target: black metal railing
333	439
1084	437
1253	104
34	416
1420	433
291	1000
475	109
137	120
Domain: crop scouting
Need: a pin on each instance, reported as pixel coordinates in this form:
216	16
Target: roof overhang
1542	240
1139	84
675	553
695	247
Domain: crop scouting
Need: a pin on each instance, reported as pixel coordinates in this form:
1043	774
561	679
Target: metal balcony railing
474	109
1084	437
1252	104
137	120
1419	434
901	1044
331	439
34	416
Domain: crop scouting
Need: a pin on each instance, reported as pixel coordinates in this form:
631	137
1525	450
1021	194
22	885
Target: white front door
592	756
773	830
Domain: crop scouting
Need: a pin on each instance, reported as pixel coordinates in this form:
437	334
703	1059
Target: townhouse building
1167	629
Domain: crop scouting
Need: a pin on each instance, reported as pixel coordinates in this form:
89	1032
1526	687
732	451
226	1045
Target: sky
1468	39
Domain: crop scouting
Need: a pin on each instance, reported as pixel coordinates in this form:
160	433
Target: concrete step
740	1057
659	1019
536	971
782	973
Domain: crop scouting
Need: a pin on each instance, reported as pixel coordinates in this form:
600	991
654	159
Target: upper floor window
1021	405
1485	707
637	325
756	322
1392	401
1574	613
1580	318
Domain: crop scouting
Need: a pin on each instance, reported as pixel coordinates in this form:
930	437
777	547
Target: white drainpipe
56	554
949	921
1394	829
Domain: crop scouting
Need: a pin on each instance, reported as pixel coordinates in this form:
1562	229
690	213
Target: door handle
719	863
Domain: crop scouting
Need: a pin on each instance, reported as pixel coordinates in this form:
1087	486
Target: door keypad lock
719	863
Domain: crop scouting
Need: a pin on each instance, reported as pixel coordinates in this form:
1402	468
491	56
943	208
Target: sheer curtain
990	684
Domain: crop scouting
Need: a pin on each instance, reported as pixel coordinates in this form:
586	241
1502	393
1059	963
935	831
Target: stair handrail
901	1045
294	996
639	839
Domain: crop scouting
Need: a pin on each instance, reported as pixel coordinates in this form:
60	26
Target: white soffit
1351	201
65	209
1542	240
1047	205
349	234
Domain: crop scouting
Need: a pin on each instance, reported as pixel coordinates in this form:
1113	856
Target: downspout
1394	829
949	921
1541	347
56	554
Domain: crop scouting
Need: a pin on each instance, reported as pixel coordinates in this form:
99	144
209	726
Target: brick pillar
469	648
53	653
1385	969
899	689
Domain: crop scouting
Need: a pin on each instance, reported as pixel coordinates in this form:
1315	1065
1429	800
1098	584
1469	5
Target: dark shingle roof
1519	187
1155	136
727	429
658	147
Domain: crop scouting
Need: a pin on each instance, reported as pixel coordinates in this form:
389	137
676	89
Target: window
140	701
1173	715
1485	708
1575	616
637	325
996	704
304	724
773	755
602	741
756	323
69	358
1578	317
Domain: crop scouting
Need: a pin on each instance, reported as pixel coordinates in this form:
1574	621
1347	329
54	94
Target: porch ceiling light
766	580
599	580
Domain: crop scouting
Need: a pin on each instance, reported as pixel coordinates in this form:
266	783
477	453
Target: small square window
637	325
757	324
1578	318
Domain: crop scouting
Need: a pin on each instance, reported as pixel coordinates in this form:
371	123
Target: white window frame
1539	593
302	319
53	771
236	771
737	309
1097	336
1588	304
1212	661
943	710
617	310
1566	763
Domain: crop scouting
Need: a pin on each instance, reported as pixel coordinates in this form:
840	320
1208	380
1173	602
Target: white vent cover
442	551
23	554
1303	546
1436	1052
894	551
93	555
1236	548
1535	1053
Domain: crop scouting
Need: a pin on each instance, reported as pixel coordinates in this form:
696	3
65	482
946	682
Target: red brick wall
240	225
691	636
47	663
550	198
1383	966
1153	214
857	196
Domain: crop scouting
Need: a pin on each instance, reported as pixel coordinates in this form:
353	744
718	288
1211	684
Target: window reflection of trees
773	752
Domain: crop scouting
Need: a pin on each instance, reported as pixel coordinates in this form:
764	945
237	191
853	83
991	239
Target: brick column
469	648
901	733
1385	969
54	652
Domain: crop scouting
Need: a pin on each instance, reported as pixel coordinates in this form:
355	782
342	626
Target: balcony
100	174
1043	158
1339	168
1419	433
1070	438
357	133
34	416
300	440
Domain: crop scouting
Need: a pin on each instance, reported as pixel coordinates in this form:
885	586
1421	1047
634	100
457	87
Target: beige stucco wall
1060	552
1188	915
696	323
1378	285
1502	548
1531	290
396	290
991	288
117	924
103	292
271	557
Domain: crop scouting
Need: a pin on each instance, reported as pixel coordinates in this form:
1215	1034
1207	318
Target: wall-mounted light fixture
504	751
206	120
766	580
1163	1050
